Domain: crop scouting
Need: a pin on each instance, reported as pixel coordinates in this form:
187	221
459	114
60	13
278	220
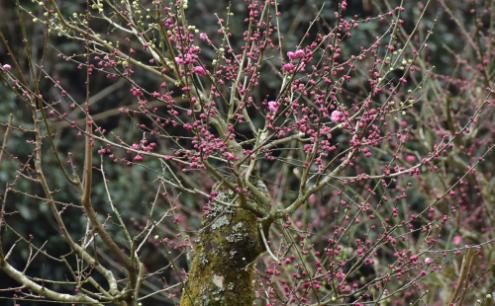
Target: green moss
222	272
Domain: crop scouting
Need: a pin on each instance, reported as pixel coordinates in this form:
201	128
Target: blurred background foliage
133	189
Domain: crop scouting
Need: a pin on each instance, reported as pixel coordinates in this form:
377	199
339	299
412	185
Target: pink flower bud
272	106
337	116
6	67
199	70
428	261
138	158
457	240
410	158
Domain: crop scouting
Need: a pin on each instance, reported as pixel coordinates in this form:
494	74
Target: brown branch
21	278
5	137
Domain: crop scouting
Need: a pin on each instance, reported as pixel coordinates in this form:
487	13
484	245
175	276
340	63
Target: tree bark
222	269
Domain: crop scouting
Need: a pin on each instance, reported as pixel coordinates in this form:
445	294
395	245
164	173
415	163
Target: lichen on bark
222	268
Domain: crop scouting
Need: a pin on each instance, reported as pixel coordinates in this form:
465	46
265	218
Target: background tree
255	155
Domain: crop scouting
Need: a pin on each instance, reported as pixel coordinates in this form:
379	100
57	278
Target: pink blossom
410	158
136	92
203	36
199	70
6	67
138	158
337	116
312	199
340	276
272	106
343	5
292	55
457	240
229	156
289	68
428	261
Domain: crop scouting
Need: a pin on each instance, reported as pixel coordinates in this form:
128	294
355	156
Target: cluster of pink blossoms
294	55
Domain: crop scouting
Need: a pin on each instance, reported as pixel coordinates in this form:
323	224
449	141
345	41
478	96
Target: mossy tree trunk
222	269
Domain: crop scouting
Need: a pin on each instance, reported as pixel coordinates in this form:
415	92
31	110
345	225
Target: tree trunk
222	268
